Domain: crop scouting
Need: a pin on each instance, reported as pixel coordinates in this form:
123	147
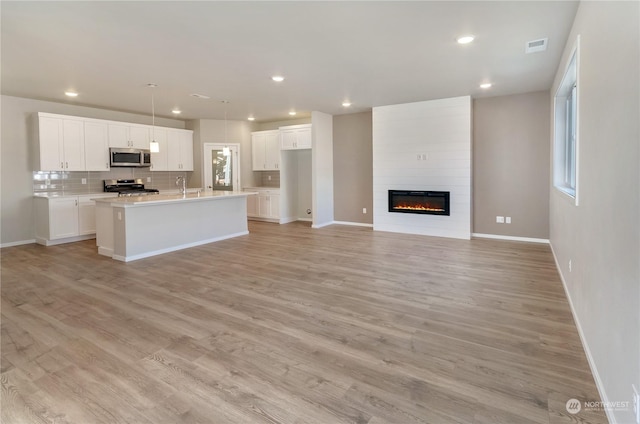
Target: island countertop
158	199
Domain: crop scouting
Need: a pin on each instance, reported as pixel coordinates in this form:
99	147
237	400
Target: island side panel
104	228
148	230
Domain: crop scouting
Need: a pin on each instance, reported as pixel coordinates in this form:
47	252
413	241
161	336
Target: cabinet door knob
62	165
67	164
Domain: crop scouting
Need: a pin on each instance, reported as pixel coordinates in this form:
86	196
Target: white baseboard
510	238
17	243
585	345
47	242
355	224
305	219
324	224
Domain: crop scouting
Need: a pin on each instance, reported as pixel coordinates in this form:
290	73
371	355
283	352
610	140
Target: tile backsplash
266	182
54	182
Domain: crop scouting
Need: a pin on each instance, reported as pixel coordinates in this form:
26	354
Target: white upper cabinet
96	146
295	137
51	147
140	136
159	160
61	144
73	142
70	143
180	150
133	136
265	150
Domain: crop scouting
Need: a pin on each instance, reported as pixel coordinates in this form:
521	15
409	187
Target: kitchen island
131	228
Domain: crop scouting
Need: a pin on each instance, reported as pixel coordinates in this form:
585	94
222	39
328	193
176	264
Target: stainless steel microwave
129	157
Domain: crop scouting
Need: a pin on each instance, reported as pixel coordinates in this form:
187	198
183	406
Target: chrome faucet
182	183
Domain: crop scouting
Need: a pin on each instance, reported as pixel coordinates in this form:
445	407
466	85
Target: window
565	152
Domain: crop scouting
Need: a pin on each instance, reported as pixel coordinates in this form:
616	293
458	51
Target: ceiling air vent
536	45
199	96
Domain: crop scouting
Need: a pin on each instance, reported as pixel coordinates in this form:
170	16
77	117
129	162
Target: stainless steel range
128	188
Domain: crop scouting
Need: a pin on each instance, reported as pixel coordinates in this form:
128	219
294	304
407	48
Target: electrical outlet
507	220
636	403
148	179
268	177
84	181
119	216
569	265
364	210
500	219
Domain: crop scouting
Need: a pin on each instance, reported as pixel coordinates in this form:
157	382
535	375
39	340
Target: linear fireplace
422	202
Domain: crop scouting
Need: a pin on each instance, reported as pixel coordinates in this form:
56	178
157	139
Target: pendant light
154	146
225	149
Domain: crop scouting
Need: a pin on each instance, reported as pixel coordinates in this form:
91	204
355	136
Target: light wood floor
292	325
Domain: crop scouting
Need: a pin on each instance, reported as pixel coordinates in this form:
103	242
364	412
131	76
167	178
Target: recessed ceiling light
176	111
465	39
71	93
152	85
346	104
486	85
292	113
251	118
199	96
277	78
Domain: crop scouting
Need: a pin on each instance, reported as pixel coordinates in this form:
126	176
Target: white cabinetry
160	159
265	206
180	150
295	137
65	219
86	215
129	135
265	150
61	144
96	146
70	143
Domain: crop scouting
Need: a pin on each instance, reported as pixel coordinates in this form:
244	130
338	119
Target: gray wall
601	236
274	125
353	167
511	165
16	147
213	131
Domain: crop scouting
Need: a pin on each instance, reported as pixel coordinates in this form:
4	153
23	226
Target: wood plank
290	325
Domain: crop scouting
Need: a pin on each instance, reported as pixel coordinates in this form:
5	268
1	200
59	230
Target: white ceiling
372	53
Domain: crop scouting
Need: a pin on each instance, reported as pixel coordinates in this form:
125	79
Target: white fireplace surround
423	146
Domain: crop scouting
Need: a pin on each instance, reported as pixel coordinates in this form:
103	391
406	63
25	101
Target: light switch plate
500	219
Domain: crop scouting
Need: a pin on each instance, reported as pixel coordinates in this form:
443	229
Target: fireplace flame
418	208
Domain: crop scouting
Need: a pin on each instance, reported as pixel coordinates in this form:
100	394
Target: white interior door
222	167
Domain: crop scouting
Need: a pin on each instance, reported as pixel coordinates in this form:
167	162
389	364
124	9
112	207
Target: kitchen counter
155	199
131	228
262	188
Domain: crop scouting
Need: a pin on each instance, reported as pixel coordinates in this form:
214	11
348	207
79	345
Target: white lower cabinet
65	219
265	205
